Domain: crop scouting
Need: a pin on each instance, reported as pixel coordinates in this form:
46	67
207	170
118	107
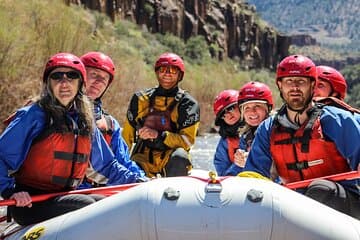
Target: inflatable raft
199	208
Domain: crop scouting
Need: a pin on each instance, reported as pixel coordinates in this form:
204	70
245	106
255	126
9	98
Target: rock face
303	40
230	25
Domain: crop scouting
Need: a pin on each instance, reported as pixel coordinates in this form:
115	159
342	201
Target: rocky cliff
232	26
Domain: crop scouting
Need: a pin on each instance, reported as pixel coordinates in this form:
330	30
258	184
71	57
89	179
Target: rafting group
64	140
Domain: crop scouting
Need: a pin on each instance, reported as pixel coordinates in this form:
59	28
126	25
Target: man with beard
307	140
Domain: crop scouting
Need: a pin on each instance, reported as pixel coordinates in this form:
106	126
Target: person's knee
97	197
329	193
178	164
74	201
180	153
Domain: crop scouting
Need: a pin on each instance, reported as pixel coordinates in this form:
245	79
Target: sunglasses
171	69
228	110
58	76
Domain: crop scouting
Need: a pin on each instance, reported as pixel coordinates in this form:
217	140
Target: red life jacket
233	145
106	127
56	161
161	120
304	153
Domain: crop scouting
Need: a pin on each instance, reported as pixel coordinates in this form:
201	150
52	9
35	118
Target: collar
166	92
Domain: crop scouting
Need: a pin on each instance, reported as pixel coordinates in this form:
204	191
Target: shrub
197	50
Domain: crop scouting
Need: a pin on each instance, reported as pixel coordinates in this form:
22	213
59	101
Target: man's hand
22	199
240	157
147	133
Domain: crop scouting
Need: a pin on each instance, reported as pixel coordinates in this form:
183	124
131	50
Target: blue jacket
28	123
338	125
222	162
357	117
118	145
121	151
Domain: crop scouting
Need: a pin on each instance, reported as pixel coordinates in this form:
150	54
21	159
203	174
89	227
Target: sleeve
357	117
121	151
334	119
106	166
222	163
259	159
16	141
188	122
129	130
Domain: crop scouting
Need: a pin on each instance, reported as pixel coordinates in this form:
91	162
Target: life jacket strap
67	182
298	166
77	157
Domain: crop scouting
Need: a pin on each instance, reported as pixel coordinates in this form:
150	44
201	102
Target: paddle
336	177
101	190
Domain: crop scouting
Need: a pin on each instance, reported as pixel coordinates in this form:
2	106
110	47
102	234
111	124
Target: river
203	151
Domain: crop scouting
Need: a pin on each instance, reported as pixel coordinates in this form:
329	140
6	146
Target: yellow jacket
152	156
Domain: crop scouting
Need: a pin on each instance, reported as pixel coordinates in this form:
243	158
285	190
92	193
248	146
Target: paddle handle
101	190
336	177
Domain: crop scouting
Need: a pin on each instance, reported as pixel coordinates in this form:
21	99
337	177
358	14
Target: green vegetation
352	76
33	30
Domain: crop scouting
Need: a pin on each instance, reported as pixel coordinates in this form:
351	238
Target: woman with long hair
52	143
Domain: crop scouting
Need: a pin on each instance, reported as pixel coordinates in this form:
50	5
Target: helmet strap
180	77
300	111
102	94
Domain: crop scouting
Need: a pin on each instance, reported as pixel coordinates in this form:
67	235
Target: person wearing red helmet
306	140
331	83
256	102
51	144
331	89
227	117
100	71
162	122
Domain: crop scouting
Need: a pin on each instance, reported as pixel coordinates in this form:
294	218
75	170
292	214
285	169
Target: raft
200	208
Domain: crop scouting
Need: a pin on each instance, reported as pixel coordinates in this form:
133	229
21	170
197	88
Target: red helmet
224	100
166	59
253	91
64	60
100	61
335	78
296	65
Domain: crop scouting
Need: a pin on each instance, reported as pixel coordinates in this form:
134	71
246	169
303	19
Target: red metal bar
101	190
336	177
